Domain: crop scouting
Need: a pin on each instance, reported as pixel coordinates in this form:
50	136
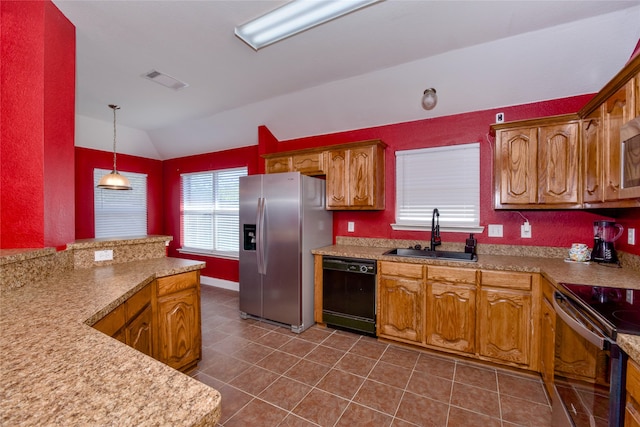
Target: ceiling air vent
165	80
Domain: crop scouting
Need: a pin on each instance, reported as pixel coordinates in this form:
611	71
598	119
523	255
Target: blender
604	234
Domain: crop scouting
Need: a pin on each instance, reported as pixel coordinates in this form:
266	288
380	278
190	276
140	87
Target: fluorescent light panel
293	18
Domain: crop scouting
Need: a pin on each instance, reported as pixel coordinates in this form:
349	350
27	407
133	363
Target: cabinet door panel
401	308
558	164
361	167
451	313
518	154
617	111
505	328
547	350
139	332
592	157
576	357
278	164
337	179
179	328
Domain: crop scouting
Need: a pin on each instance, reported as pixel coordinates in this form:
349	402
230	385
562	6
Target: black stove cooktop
620	308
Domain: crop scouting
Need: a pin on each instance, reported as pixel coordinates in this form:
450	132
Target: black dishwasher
349	294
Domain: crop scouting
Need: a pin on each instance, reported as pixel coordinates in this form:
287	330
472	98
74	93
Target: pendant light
114	181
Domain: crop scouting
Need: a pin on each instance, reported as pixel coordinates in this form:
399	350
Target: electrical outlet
495	230
351	226
525	230
500	118
106	255
631	236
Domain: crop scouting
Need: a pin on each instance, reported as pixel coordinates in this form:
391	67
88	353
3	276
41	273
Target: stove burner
629	316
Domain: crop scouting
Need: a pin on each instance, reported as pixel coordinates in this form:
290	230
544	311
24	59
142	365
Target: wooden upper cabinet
516	163
278	164
558	159
355	176
537	163
593	157
354	172
618	110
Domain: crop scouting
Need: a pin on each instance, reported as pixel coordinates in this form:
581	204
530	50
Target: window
446	178
209	211
120	213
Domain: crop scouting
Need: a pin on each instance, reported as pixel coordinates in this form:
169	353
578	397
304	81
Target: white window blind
120	213
446	178
210	208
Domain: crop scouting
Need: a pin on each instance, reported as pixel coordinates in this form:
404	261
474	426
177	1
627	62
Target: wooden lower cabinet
632	407
488	315
401	301
451	308
161	320
177	308
131	322
507	313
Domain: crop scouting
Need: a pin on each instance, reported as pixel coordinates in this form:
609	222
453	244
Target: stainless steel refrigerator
282	217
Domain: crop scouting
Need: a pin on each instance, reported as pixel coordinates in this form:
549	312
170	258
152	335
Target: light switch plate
351	226
495	230
631	236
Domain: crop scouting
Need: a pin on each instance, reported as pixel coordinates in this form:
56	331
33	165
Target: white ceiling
366	69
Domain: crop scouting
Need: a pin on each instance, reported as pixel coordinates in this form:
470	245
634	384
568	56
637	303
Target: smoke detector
165	80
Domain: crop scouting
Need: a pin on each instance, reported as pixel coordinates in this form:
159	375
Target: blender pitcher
604	234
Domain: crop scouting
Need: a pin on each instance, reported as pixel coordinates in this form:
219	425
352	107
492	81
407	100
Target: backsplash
627	260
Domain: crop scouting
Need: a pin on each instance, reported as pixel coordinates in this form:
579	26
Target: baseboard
220	283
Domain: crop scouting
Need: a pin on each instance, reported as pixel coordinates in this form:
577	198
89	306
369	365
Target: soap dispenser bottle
470	245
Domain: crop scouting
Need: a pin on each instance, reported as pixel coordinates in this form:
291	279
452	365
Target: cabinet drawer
112	322
401	269
137	302
506	279
448	274
177	282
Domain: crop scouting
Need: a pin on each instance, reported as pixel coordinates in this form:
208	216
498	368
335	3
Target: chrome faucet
435	230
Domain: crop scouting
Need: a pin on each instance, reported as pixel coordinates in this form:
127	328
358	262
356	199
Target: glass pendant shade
429	99
114	181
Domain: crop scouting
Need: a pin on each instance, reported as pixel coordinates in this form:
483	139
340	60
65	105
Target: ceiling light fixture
114	181
429	99
293	18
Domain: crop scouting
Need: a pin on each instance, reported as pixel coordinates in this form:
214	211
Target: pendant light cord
114	108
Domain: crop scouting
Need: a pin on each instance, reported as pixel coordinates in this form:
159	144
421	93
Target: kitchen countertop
556	270
58	370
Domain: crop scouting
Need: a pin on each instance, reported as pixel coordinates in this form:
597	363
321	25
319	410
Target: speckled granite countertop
57	370
556	270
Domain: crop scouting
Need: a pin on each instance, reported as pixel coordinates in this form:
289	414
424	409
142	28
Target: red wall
221	268
36	125
549	228
87	160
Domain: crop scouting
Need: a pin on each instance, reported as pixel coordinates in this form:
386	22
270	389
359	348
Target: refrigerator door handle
263	237
259	236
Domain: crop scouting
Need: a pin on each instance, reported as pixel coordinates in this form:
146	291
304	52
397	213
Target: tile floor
269	376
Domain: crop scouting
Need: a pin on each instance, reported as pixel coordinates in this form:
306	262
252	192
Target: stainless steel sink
422	253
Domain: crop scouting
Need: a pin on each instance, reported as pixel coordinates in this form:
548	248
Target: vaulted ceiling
365	69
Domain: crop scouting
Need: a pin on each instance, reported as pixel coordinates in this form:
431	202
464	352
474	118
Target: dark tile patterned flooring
269	376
